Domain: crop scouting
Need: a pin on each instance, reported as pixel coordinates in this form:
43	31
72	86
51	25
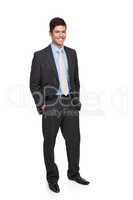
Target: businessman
55	87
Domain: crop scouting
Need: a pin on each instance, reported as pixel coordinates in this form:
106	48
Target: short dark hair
56	22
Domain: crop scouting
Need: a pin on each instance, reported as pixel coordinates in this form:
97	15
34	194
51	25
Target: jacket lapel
69	62
52	62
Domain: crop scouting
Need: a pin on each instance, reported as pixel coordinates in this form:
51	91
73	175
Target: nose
60	34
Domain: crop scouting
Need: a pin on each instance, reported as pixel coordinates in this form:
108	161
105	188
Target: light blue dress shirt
56	52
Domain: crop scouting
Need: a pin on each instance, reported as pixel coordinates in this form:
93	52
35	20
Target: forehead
59	28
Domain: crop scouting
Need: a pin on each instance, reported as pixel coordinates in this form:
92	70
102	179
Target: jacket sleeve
35	79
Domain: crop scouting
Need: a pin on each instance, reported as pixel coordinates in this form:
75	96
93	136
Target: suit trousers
61	114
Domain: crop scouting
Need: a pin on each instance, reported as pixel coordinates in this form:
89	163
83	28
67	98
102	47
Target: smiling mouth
61	40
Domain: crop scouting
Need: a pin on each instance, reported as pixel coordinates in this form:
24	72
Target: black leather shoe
80	180
54	187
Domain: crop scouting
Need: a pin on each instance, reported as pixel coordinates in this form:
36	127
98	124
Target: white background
102	34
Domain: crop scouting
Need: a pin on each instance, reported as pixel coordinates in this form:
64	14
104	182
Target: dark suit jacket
44	80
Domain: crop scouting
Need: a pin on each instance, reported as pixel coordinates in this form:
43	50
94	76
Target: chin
60	44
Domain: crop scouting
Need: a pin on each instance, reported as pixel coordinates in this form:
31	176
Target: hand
43	107
76	104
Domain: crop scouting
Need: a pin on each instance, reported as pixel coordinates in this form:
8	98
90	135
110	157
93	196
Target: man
55	86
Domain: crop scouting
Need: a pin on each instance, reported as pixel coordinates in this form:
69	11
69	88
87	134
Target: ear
50	33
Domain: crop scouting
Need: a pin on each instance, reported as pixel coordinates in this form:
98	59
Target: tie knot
59	51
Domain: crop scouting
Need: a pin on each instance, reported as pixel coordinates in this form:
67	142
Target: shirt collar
56	49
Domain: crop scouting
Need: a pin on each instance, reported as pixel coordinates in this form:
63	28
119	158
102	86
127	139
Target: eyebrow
60	31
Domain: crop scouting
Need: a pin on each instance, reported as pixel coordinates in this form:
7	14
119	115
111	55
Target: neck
59	46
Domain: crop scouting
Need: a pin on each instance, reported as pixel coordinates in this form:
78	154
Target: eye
56	31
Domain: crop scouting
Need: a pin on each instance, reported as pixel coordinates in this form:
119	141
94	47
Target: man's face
58	35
